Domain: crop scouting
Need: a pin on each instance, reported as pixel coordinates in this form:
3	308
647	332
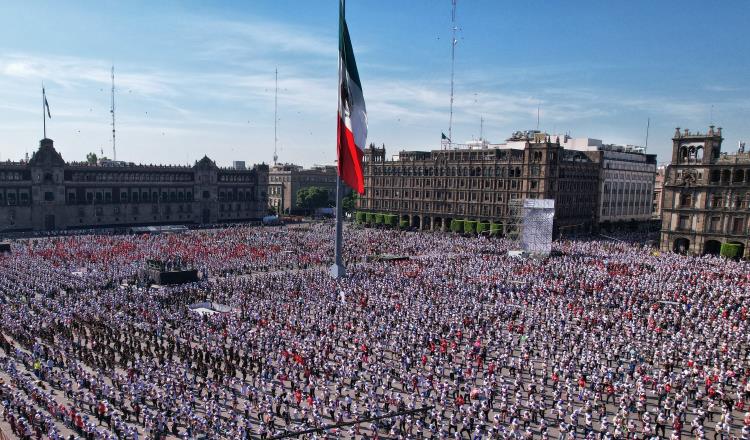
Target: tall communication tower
453	64
275	118
112	110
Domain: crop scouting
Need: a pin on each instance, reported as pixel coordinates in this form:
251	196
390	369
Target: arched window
683	154
699	154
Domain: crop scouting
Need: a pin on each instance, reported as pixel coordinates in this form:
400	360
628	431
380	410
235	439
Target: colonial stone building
284	181
477	182
46	193
658	188
706	195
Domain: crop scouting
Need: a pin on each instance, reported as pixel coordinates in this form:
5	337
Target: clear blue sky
196	78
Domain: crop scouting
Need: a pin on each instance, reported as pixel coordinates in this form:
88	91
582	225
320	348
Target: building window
686	201
684	223
738	226
715	225
716	201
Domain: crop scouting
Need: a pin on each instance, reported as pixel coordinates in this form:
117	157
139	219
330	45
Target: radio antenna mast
648	126
538	111
112	110
275	117
453	64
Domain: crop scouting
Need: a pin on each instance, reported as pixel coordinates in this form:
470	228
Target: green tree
312	198
349	203
91	158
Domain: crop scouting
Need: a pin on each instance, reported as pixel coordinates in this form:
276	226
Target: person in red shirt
460	401
677	426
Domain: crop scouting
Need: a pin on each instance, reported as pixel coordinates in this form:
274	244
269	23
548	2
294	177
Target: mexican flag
352	115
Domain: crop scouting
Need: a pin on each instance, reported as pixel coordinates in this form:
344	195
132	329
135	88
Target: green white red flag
352	114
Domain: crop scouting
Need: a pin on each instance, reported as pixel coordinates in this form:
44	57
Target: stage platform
172	277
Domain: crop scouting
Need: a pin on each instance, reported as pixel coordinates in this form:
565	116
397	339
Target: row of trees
476	227
370	218
313	197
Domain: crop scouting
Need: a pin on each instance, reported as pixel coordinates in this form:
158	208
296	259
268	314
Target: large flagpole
338	270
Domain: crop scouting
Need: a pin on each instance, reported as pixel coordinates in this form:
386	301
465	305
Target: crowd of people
604	339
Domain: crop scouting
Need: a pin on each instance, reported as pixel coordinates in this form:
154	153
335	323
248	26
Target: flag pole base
338	271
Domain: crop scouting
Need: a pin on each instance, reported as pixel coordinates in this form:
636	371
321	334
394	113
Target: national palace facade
477	182
706	195
46	193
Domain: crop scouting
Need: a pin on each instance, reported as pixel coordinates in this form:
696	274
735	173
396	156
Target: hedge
359	217
370	218
496	228
379	219
457	225
390	219
470	226
403	224
483	227
730	250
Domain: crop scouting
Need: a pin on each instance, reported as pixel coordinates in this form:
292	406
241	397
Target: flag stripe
350	159
348	55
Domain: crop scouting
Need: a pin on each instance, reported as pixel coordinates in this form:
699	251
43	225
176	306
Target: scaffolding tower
529	225
515	220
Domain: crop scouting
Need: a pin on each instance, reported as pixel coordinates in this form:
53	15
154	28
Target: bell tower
696	148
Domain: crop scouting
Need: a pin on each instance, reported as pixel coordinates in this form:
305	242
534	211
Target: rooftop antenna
112	110
481	128
648	126
275	117
538	110
453	64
